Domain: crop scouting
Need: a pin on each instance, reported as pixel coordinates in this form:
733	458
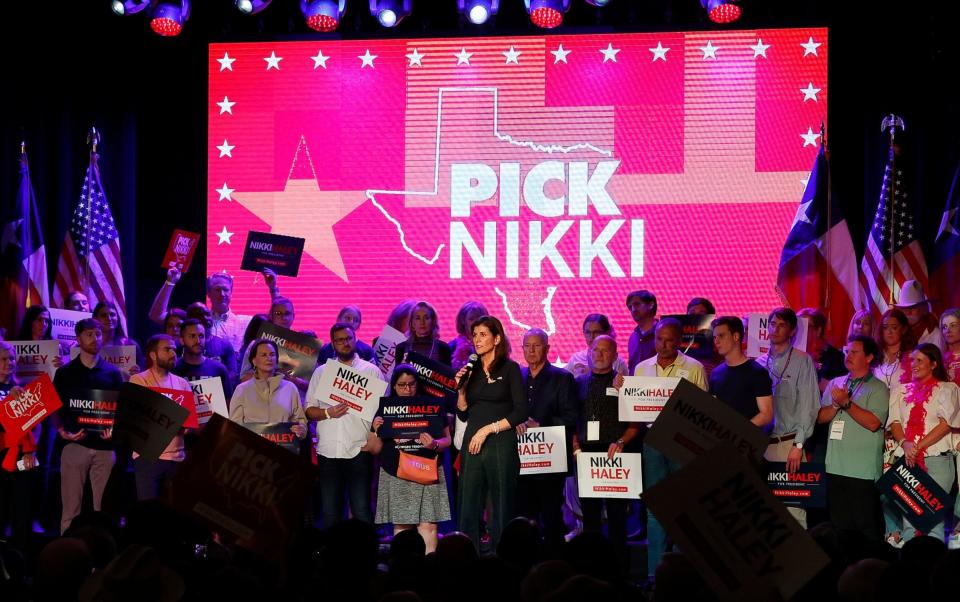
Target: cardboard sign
20	413
185	400
920	499
210	399
617	477
93	410
279	253
543	450
434	378
183	245
35	358
643	397
245	488
386	346
278	433
758	341
361	391
693	422
121	356
807	487
407	417
298	352
735	532
147	420
696	339
64	324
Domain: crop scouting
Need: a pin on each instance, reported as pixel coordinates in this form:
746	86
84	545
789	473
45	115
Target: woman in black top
423	336
492	404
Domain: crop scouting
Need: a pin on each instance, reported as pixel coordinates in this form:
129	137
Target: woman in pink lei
922	412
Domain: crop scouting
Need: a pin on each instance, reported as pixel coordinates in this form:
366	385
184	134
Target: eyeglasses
282	314
342	340
409	386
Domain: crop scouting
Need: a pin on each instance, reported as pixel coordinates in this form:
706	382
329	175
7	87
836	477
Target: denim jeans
941	469
656	467
150	476
345	475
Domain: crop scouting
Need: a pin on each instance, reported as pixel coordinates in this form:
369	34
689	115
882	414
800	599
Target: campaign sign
643	397
64	324
210	400
244	487
693	422
758	339
185	400
407	417
147	420
697	335
385	348
543	450
277	432
617	477
434	378
183	245
806	487
920	499
121	356
22	412
734	530
360	391
93	410
298	352
35	358
279	253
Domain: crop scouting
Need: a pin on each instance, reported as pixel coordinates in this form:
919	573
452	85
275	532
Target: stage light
167	18
600	3
252	7
547	13
390	12
478	11
722	11
129	7
323	15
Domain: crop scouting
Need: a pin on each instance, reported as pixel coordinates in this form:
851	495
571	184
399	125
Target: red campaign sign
184	399
183	245
20	413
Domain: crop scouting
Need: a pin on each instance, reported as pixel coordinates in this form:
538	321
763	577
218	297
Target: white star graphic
804	182
810	93
320	60
709	51
559	55
946	224
224	236
811	47
226	62
760	49
225	192
226	149
273	61
659	52
559	363
226	106
609	53
415	58
10	236
366	59
801	215
512	56
463	57
810	138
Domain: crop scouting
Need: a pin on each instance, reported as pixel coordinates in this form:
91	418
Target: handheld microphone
466	375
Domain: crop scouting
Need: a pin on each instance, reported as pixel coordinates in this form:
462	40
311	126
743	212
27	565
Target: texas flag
818	266
946	257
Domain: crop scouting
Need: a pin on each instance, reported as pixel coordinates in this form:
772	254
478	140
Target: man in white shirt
342	438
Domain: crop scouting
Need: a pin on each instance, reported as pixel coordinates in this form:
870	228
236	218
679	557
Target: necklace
888	374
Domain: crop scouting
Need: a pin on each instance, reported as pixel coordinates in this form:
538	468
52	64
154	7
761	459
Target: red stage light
322	23
165	27
725	13
546	17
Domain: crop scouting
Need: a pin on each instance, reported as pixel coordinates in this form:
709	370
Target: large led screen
543	176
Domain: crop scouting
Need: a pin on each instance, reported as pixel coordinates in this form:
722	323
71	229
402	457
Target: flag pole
891	122
93	139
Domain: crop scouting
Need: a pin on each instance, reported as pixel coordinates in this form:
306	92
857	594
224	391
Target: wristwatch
798	445
620	442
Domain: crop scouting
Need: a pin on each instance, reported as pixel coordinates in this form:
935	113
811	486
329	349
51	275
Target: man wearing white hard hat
923	324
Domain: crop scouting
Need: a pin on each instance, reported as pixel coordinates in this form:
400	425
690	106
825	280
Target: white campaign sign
543	450
65	323
210	398
642	397
386	346
35	358
600	476
361	391
758	338
121	356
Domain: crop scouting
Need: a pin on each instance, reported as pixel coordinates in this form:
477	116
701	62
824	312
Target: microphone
466	375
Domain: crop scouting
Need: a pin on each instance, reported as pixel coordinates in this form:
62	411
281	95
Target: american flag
893	254
90	260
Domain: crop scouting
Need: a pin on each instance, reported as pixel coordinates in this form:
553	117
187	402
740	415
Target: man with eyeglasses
551	401
282	315
856	407
342	449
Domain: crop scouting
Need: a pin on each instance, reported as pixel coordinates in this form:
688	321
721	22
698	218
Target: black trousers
854	505
540	497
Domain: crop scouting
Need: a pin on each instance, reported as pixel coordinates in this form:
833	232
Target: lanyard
772	366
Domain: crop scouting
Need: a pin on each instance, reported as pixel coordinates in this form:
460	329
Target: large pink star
302	209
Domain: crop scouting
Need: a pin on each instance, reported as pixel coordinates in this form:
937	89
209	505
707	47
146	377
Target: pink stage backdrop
544	176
